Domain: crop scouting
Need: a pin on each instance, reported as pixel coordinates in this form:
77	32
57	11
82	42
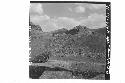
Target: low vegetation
79	44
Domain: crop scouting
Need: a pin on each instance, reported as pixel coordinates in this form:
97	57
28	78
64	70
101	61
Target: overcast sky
53	16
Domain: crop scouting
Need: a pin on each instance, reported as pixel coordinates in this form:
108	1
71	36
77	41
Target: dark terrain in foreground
79	53
42	72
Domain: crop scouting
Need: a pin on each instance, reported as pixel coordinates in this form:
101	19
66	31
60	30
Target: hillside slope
79	49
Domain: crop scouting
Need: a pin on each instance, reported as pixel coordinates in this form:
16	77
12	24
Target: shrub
41	58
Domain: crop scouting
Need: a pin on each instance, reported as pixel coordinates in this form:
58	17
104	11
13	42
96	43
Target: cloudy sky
53	16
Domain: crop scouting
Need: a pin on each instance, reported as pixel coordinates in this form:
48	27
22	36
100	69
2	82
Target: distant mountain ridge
101	30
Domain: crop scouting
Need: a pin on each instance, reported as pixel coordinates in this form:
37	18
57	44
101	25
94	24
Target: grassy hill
80	45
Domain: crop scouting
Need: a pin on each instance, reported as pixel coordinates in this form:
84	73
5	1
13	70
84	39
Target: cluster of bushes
41	58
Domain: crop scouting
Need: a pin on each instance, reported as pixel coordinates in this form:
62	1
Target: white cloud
97	6
79	9
91	6
47	24
94	21
39	19
78	4
36	9
50	24
67	22
70	9
43	21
